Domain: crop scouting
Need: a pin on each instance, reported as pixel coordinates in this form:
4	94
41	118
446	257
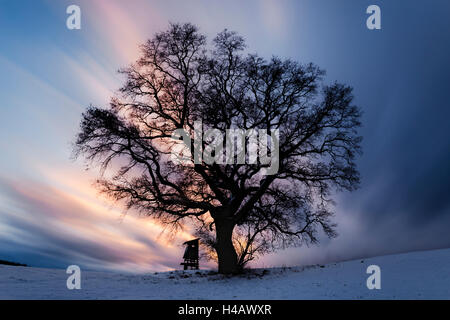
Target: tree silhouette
238	211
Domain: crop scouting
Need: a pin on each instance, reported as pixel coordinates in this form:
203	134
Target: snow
416	275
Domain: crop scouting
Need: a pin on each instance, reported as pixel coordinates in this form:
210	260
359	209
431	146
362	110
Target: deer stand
190	255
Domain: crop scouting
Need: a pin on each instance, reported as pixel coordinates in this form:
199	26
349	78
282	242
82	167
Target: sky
52	216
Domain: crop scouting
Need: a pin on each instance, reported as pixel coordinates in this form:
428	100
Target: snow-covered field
417	275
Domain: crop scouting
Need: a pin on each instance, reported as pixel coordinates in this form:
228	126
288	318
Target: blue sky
50	215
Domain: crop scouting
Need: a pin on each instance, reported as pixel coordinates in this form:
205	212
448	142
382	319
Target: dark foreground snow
417	275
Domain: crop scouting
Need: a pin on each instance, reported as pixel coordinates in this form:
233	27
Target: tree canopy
238	211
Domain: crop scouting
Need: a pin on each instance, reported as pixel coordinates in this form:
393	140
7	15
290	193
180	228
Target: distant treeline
9	263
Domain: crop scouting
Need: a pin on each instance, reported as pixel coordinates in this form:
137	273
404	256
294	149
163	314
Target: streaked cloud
66	220
51	215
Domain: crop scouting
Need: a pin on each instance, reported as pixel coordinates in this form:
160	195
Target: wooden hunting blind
191	254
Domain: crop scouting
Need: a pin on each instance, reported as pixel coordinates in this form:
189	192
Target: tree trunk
226	252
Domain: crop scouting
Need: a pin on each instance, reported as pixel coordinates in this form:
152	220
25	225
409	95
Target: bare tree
237	210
